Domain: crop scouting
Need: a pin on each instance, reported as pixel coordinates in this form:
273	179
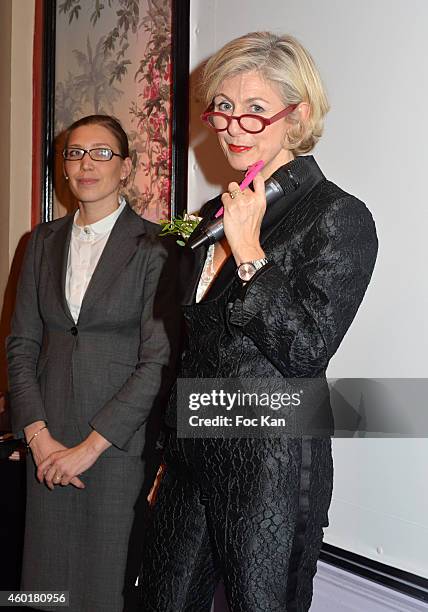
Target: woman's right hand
243	215
44	445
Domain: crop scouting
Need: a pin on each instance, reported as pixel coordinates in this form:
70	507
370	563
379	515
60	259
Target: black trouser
249	511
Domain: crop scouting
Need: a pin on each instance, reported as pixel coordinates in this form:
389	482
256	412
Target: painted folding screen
119	57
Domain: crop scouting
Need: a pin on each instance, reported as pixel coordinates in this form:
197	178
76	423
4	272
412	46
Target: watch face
246	271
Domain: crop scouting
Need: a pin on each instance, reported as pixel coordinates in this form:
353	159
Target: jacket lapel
56	246
121	246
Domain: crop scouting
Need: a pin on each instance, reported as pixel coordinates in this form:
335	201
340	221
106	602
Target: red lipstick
238	149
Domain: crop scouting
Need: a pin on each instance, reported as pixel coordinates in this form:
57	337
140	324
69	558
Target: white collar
101	227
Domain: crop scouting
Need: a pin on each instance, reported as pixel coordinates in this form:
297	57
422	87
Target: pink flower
164	154
168	72
154	91
164	189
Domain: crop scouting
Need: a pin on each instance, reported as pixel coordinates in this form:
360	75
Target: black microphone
278	185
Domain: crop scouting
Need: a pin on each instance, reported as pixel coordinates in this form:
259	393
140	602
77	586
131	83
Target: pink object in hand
250	174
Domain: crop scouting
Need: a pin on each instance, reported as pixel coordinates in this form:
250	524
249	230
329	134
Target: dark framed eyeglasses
99	154
249	123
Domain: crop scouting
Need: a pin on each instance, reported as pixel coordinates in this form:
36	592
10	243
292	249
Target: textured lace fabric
252	511
249	510
207	275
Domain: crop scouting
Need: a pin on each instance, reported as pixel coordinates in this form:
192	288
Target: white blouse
86	246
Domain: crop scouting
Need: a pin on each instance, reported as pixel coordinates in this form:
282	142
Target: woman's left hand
61	466
243	216
151	498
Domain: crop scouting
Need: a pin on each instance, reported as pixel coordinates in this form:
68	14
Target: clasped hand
243	215
57	464
63	466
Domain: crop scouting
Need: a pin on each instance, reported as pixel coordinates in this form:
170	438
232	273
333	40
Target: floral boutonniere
182	225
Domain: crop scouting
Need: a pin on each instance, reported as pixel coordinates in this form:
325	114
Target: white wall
372	56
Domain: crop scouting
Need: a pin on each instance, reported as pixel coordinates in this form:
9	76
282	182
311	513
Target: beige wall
5	84
16	82
21	121
16	79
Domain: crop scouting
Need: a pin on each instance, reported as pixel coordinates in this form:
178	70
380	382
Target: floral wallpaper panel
114	57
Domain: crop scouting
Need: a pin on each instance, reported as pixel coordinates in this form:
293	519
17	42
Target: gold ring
57	478
234	193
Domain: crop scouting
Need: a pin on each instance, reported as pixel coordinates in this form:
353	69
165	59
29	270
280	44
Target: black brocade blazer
290	319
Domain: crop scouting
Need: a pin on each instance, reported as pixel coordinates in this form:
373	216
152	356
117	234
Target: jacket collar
120	247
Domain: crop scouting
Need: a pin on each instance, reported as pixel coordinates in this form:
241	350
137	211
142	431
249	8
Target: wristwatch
247	269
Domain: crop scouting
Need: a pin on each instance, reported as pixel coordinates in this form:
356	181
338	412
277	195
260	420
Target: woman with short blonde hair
270	301
281	60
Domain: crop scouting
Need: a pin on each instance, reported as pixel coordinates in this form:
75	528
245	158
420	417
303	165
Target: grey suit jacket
109	370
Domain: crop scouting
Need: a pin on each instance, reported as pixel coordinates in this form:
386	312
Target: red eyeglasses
249	123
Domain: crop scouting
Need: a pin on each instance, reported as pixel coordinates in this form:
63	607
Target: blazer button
74	331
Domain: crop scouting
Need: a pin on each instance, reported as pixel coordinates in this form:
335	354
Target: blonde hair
283	61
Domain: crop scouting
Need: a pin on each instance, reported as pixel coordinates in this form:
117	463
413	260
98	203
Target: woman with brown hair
88	353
